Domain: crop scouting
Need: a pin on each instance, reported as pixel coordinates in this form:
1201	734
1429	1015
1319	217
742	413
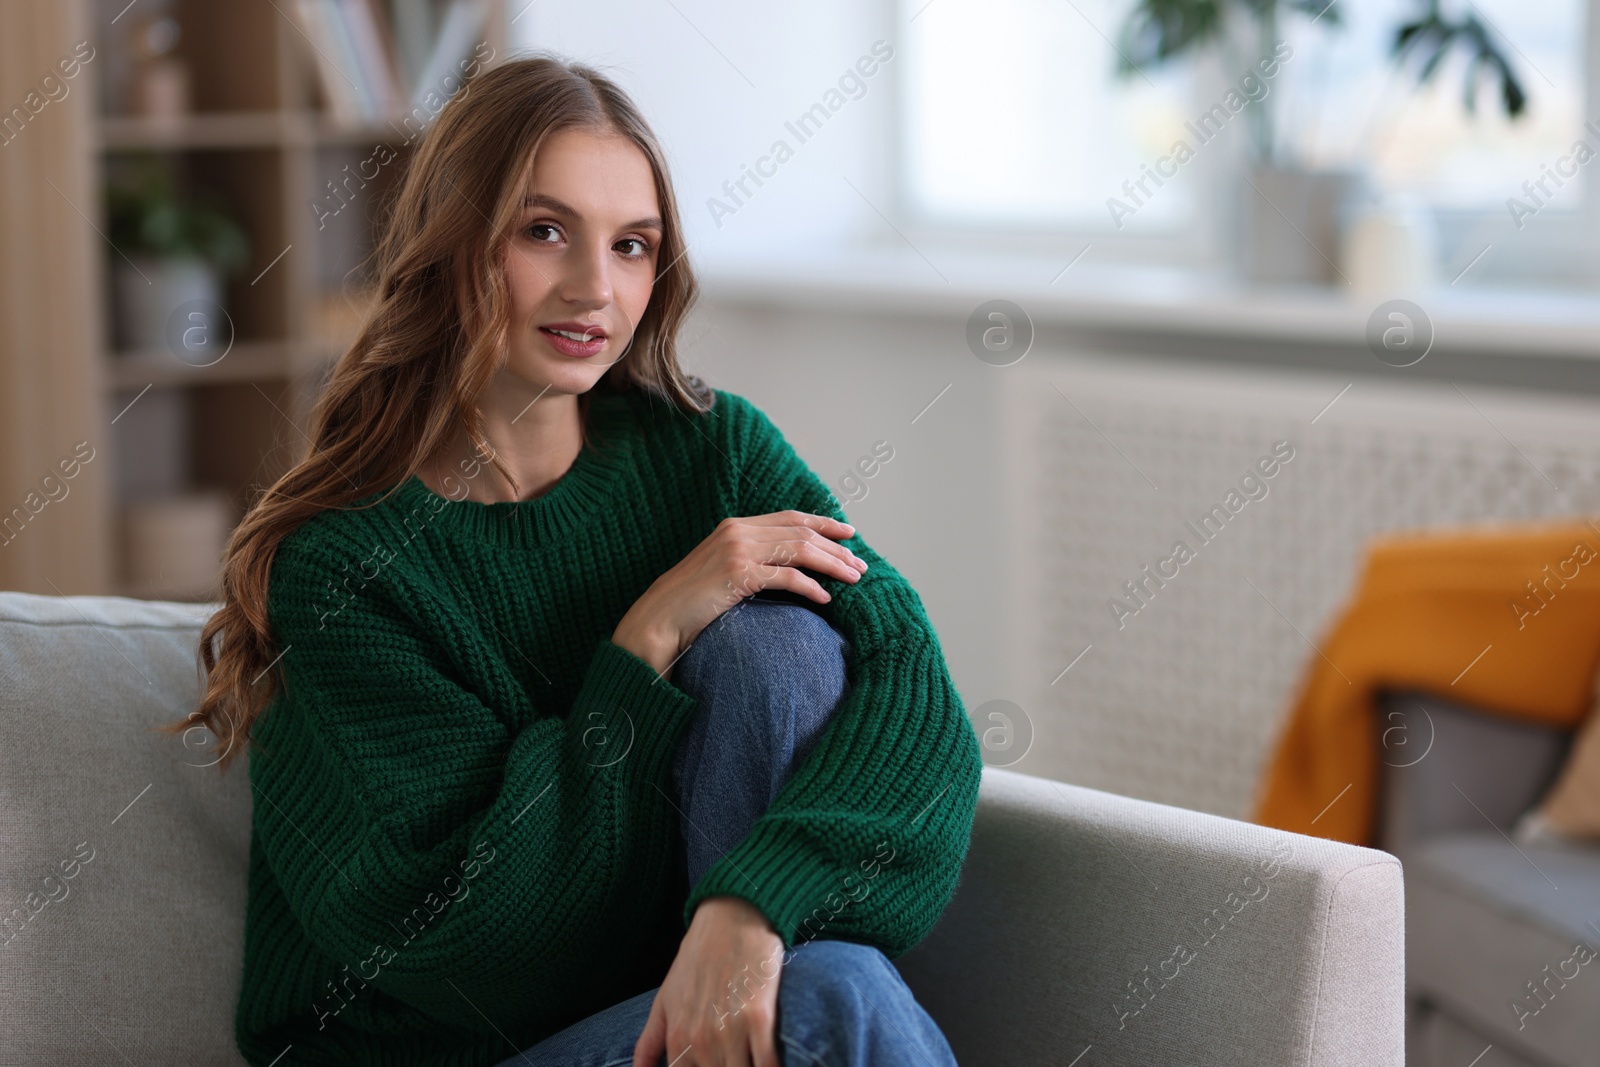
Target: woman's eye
632	246
542	231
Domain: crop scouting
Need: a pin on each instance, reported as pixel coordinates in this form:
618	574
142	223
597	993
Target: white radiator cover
1183	704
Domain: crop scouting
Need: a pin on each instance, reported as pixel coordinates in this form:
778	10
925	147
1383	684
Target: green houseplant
1158	31
1291	218
175	249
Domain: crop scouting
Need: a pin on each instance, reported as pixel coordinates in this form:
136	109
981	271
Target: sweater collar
562	510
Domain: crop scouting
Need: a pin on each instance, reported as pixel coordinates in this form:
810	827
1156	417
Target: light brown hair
435	339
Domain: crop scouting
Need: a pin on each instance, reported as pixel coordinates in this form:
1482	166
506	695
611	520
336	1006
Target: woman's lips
570	345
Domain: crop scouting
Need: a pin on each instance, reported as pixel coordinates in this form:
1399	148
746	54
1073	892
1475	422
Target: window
1014	114
1345	103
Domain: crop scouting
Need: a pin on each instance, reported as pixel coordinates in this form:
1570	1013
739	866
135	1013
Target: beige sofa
1088	929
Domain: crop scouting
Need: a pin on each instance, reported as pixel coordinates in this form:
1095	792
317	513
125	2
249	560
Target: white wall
717	81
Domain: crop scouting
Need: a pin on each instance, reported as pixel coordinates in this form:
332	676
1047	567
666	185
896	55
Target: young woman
582	728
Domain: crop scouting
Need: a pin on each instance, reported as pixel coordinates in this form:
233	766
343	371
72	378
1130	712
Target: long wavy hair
430	346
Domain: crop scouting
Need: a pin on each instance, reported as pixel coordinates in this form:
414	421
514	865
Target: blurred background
1031	284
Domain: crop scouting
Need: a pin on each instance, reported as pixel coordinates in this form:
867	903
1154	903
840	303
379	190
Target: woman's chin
570	376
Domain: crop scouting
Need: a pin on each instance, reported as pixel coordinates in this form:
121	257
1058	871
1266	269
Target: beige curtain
55	532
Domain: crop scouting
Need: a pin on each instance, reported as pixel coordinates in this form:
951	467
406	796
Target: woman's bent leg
768	675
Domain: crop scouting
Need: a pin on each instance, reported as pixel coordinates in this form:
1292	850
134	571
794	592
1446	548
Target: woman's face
582	262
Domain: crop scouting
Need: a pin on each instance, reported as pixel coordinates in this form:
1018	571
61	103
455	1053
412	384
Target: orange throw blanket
1503	618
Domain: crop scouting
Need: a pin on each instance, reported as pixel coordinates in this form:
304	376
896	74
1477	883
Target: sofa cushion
1485	917
122	854
1444	1041
1428	745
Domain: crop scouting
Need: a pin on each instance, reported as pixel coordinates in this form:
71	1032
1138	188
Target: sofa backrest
123	856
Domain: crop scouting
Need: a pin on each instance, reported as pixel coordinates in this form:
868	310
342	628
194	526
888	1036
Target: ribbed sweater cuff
763	870
657	712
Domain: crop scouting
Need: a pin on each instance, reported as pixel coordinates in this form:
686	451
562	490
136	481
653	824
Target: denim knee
773	640
827	964
841	1002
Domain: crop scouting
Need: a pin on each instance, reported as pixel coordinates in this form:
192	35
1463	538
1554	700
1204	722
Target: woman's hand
718	1006
740	557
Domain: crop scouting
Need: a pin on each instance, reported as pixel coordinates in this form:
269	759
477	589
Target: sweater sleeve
866	840
456	862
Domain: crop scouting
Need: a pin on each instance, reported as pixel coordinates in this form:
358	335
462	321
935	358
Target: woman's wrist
734	910
647	643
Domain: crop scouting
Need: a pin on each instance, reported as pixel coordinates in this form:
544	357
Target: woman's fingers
824	524
739	558
763	1042
803	533
769	554
823	529
826	558
783	578
652	1043
776	565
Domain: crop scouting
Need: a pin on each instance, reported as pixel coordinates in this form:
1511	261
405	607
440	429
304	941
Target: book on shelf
317	24
374	50
375	60
459	32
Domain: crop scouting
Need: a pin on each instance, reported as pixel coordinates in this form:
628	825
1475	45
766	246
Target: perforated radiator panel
1108	460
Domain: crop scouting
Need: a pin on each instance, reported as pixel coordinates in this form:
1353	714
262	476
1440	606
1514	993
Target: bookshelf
262	132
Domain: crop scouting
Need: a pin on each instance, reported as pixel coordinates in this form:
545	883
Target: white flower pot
147	293
1291	224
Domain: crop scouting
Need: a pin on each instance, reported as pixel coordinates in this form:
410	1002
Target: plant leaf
1319	10
1158	30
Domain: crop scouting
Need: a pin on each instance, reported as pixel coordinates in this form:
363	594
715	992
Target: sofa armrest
1154	934
1449	766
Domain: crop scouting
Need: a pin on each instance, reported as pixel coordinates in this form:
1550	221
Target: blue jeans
768	674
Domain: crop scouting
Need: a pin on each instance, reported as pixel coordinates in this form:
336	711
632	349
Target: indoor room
881	532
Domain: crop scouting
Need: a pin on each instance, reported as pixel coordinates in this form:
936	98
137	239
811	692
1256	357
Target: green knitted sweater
465	837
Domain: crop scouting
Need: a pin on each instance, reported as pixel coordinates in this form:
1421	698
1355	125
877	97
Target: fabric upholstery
1485	917
1483	914
1068	895
1444	1039
1309	974
138	955
1449	767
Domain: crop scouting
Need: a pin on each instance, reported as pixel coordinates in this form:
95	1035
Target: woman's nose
587	280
